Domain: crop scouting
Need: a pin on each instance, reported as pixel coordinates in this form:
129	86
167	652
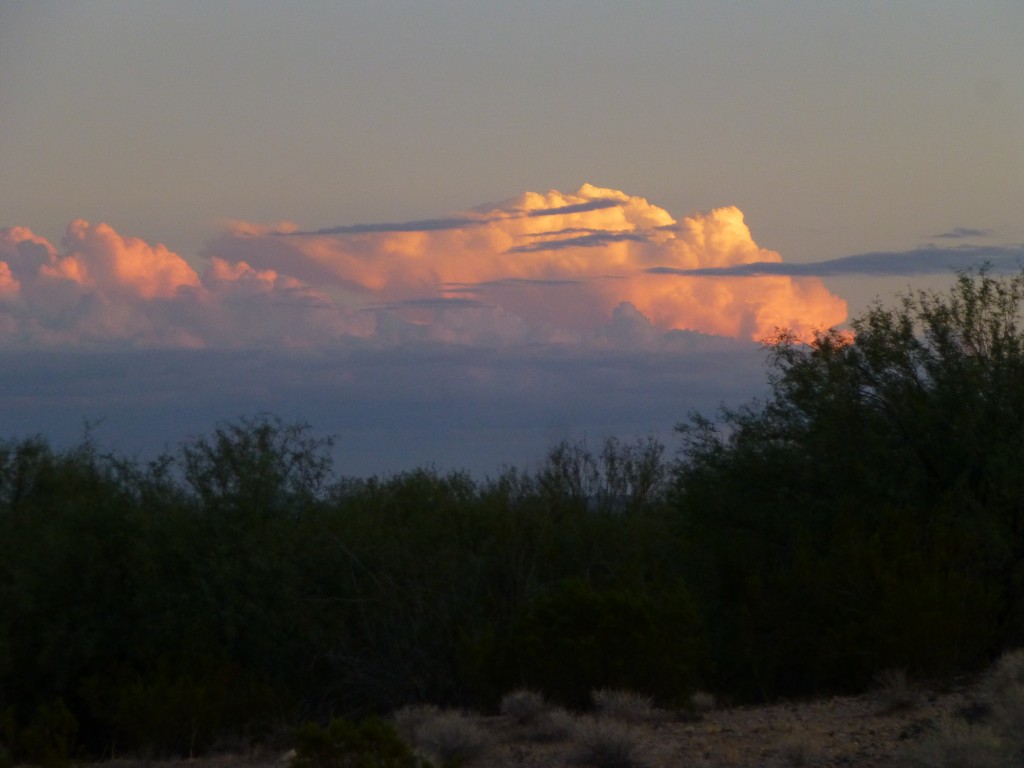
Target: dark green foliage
870	513
574	638
49	738
371	743
235	585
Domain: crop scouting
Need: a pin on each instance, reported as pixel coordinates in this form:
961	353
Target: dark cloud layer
423	225
959	233
593	240
920	261
455	222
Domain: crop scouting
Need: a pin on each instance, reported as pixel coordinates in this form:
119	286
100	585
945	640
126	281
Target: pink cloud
96	255
596	265
564	260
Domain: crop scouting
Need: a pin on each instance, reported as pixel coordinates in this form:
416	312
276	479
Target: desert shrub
50	738
894	691
958	745
1003	688
627	706
553	725
701	702
523	706
370	743
1006	674
609	745
409	719
171	712
798	751
452	737
576	637
866	514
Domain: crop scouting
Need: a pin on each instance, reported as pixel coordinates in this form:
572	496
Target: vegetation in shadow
867	516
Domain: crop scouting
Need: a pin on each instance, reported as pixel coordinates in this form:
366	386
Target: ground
864	731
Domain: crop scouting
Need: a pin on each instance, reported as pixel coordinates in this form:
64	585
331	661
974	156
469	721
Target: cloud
929	260
101	289
95	255
536	269
556	263
589	240
959	233
465	342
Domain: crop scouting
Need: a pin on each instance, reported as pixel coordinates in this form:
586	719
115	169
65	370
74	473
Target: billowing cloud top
539	267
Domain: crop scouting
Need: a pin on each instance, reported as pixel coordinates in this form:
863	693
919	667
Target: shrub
799	751
452	737
702	701
409	719
1004	687
603	744
627	706
1006	674
371	743
894	691
958	745
49	739
576	636
523	706
552	726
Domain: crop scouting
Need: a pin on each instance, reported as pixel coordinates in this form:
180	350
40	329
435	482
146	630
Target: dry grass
996	743
1004	690
702	702
452	737
408	720
625	706
838	731
959	745
609	744
522	706
895	692
554	725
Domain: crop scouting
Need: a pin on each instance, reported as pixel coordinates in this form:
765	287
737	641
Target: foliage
868	514
49	739
609	745
624	705
370	743
452	737
575	637
236	584
523	706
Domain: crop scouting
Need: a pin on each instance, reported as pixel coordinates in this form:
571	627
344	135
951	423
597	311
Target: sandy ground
840	731
834	732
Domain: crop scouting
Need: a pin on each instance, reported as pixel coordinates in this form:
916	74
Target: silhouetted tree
874	503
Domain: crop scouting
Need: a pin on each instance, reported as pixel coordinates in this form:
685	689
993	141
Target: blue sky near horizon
151	155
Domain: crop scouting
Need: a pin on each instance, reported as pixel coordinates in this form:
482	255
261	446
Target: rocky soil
878	729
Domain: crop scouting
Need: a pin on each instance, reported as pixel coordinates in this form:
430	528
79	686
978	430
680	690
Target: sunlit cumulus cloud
100	288
553	264
595	266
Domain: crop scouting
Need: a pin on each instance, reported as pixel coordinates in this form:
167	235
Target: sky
454	233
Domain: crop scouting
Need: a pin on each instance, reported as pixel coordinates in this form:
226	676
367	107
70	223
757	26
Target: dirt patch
830	733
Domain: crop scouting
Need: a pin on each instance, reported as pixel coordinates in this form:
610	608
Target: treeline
868	515
236	587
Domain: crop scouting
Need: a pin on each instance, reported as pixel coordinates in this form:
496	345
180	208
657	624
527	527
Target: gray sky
877	143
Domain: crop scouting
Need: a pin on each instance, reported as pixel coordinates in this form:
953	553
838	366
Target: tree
257	465
904	435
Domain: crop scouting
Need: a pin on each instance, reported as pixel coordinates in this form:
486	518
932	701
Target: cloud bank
539	268
467	341
929	260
